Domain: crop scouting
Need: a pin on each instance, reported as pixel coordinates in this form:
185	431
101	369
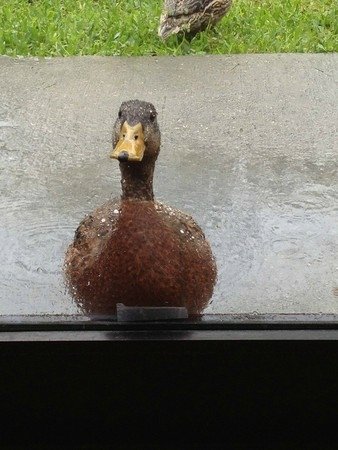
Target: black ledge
207	327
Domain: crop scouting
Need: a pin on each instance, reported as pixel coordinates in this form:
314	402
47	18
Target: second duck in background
190	16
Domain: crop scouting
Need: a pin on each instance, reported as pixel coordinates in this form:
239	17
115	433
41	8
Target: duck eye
124	135
152	115
135	137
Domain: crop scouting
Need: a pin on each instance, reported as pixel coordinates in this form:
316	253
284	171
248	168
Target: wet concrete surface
249	149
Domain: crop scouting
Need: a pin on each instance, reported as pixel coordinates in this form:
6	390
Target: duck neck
137	180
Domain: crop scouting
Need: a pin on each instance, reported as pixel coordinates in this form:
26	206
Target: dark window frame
234	381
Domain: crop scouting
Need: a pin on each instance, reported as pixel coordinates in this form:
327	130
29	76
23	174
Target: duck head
136	145
136	135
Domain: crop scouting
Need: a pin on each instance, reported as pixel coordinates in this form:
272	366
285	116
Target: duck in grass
135	250
190	16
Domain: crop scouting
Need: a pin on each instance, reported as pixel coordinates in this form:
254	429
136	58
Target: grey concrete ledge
248	149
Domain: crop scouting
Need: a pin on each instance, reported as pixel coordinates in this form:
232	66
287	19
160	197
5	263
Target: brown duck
134	250
190	16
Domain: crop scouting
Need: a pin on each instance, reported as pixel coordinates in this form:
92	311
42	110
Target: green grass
129	27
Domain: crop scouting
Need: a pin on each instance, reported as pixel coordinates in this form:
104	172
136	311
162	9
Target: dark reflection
136	251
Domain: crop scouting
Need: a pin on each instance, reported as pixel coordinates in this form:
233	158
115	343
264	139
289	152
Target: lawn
129	27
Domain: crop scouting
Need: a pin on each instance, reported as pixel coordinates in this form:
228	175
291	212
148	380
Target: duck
133	249
190	16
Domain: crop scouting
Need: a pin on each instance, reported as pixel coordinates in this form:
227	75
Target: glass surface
256	170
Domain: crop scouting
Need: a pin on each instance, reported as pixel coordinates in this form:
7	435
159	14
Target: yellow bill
130	146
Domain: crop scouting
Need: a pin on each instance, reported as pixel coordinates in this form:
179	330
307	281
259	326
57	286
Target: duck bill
130	146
